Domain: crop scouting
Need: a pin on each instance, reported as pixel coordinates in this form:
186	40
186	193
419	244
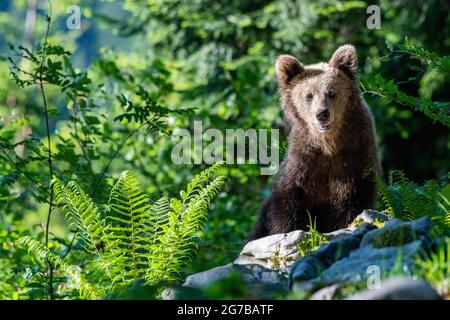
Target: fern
133	240
405	199
184	220
129	212
83	215
80	211
86	290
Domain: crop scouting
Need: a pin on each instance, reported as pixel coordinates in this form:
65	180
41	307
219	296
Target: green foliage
231	287
435	268
39	250
388	89
15	266
405	199
312	242
427	57
132	240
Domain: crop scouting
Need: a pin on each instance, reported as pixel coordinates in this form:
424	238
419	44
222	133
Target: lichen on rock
394	237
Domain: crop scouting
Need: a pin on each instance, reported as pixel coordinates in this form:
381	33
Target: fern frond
85	289
81	213
404	199
185	220
128	208
386	196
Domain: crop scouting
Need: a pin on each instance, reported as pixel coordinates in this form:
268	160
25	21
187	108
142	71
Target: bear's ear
345	58
287	67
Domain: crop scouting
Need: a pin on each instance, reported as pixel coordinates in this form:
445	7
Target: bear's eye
331	94
309	97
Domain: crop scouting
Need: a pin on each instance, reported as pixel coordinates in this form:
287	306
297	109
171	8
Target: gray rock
354	267
399	289
326	293
335	250
420	227
246	260
339	234
169	294
262	283
257	273
280	251
277	251
372	217
264	264
366	217
182	293
208	277
310	266
303	290
306	268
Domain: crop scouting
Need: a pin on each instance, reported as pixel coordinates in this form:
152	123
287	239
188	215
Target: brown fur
323	173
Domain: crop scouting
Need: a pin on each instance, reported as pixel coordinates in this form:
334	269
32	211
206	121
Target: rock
335	250
399	289
169	294
373	217
339	234
326	293
256	273
182	293
306	268
311	265
346	260
249	273
355	266
363	230
266	267
422	225
303	290
246	260
394	237
277	251
207	277
262	283
280	251
397	226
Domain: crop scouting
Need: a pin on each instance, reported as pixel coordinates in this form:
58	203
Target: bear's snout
323	115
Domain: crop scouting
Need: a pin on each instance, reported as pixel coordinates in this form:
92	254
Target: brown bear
332	155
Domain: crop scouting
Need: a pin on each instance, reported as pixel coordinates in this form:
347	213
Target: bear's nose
323	115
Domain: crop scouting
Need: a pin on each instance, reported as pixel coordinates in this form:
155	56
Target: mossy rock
379	223
394	237
378	219
358	222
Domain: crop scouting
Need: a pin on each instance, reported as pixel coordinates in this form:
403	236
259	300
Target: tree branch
50	164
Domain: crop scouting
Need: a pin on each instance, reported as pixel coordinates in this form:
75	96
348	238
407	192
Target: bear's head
318	94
